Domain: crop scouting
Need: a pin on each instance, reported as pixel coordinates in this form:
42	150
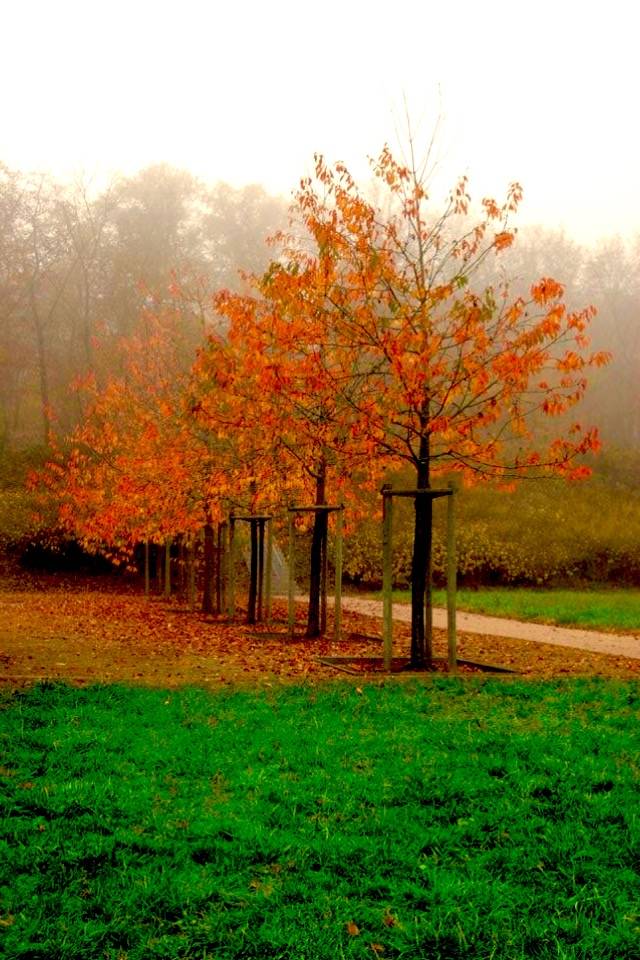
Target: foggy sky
543	93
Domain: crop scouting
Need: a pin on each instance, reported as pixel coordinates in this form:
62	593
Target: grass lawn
449	819
601	609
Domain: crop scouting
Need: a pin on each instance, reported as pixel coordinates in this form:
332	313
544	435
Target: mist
79	262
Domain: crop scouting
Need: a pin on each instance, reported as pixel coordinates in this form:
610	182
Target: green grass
600	609
446	820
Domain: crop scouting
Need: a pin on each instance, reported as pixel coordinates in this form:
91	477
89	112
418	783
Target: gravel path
622	645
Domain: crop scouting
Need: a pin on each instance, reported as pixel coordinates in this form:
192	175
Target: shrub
544	533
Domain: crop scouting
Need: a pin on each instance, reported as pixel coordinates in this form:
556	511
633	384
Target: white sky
541	92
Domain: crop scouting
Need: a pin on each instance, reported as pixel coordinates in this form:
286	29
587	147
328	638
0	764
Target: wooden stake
191	571
146	569
292	578
167	568
221	592
269	572
323	580
451	581
337	604
253	572
232	572
159	573
387	577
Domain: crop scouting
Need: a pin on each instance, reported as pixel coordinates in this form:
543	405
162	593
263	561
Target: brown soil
85	631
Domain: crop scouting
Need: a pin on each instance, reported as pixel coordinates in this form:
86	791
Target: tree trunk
318	555
421	587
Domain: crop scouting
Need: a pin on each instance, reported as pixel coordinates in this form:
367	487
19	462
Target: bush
545	533
41	546
49	550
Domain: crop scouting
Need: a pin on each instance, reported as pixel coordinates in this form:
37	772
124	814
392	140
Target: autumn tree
430	368
292	401
139	468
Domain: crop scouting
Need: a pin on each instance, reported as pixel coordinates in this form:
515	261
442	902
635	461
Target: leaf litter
86	631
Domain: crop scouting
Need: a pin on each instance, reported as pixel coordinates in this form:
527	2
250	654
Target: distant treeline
78	261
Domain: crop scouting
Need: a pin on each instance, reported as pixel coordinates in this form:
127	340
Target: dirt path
626	645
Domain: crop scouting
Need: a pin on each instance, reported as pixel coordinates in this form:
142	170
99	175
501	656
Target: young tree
291	398
139	468
427	368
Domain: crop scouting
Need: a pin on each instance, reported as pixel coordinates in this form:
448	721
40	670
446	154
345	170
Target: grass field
444	820
601	609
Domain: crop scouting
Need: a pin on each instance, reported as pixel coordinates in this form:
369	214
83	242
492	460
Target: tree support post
208	605
269	572
261	567
181	571
254	588
387	572
451	580
256	565
159	561
146	569
318	508
337	586
323	582
387	576
221	581
167	568
292	576
232	565
191	571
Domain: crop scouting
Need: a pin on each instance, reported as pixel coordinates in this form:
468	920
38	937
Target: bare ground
86	631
